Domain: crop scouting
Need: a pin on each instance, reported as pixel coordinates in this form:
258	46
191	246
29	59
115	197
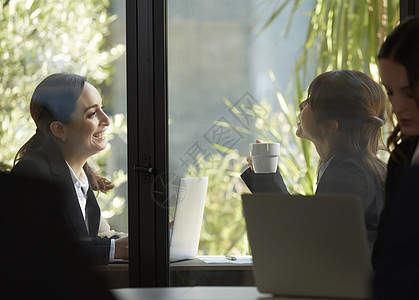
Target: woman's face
401	96
308	127
86	132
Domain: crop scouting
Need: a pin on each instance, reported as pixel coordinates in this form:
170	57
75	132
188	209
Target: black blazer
396	252
346	174
47	163
41	258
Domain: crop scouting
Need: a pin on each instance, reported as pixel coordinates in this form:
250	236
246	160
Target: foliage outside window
38	38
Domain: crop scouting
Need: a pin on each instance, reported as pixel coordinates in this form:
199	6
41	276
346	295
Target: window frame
147	143
408	8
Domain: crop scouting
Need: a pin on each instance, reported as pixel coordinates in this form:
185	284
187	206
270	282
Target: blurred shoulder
348	165
34	164
348	174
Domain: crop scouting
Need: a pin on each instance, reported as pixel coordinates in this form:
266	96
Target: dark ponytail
358	104
97	182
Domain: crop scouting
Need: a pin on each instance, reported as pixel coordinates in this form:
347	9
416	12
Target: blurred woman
396	259
342	116
70	128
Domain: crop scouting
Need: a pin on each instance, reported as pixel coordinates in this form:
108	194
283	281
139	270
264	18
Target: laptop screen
187	218
308	246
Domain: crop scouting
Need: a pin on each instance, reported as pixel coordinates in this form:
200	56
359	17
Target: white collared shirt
81	186
323	168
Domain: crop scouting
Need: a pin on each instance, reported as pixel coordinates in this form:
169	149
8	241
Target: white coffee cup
264	157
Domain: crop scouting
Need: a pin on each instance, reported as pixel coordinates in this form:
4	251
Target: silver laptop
308	246
188	216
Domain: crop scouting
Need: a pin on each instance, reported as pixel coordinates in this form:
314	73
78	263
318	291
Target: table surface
197	293
197	264
191	272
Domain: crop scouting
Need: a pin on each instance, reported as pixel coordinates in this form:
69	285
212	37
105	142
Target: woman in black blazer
396	252
70	128
342	116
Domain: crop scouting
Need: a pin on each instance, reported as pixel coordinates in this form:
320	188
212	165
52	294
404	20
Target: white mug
264	157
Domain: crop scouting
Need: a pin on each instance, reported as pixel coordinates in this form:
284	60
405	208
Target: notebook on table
308	246
188	216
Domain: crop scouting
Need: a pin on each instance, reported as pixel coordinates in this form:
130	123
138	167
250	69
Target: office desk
116	274
197	293
191	272
195	272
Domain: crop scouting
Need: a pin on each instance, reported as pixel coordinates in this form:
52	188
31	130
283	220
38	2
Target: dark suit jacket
396	252
41	258
346	174
47	163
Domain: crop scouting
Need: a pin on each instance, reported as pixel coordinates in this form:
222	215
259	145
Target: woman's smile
101	135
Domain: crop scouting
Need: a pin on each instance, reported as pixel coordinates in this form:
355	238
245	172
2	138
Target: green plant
341	34
39	37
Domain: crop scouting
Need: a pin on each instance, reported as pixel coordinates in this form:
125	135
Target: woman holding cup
342	116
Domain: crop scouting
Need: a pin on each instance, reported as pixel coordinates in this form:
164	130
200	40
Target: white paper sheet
223	260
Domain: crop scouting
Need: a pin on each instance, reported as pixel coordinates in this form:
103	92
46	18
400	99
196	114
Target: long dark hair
54	99
402	47
358	104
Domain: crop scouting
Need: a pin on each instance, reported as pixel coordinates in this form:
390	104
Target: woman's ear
332	126
57	129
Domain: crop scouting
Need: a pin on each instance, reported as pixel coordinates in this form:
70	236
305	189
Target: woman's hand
249	158
121	248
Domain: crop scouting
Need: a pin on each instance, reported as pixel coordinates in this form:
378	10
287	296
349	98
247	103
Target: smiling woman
70	128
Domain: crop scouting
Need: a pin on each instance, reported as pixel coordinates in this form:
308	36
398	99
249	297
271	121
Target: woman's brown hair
402	47
54	99
358	104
